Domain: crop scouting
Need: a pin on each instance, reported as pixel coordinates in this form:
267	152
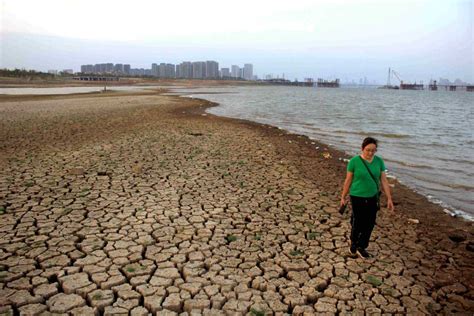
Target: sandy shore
140	203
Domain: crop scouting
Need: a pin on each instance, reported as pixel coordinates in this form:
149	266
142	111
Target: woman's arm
386	190
347	185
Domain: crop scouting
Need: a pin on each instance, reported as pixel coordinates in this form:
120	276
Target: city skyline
208	69
421	39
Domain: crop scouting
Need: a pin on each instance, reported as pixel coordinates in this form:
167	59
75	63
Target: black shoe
363	253
353	251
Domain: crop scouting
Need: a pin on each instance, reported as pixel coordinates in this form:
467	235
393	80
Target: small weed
373	280
300	207
241	184
290	191
258	237
226	174
241	163
84	193
97	296
67	210
29	184
256	312
2	209
296	252
312	235
231	238
131	269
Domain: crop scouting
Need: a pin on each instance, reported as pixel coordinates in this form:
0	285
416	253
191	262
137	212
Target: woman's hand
390	205
343	201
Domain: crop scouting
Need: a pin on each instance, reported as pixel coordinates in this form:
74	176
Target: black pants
364	212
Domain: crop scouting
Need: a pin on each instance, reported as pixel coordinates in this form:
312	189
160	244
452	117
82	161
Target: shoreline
443	206
163	175
337	157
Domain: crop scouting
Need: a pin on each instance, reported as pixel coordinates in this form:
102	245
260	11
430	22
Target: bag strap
370	172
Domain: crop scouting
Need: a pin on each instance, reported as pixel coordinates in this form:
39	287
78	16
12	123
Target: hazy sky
344	39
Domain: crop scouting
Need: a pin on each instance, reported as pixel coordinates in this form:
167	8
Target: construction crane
396	74
389	85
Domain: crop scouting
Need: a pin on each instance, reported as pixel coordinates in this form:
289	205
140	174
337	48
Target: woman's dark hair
368	141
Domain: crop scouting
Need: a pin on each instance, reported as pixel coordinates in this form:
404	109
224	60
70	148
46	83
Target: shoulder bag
376	183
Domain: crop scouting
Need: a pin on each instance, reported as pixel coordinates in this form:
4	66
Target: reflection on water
425	136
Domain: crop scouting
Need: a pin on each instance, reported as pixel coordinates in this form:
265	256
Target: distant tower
388	77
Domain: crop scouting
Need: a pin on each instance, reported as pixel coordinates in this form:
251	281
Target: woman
364	174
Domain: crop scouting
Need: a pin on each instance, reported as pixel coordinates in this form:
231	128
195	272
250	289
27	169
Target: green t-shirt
362	183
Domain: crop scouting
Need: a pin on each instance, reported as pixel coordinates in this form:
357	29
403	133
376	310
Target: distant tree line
23	73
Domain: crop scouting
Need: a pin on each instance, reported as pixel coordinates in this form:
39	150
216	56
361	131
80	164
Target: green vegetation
2	210
23	73
373	280
258	236
97	296
256	312
296	252
231	238
312	235
130	269
67	210
29	183
300	207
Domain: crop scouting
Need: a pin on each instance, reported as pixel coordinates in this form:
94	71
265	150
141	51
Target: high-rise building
225	72
109	67
155	70
184	70
118	68
126	69
248	72
170	71
199	69
162	70
235	71
212	69
87	69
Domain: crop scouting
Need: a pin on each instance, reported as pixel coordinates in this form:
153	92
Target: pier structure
411	86
452	87
327	83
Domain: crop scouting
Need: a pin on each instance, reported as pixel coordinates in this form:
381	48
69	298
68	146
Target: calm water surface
425	137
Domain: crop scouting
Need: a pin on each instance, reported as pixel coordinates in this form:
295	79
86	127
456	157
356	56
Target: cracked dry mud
138	204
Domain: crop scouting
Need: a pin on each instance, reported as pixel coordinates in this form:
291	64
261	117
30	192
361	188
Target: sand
142	203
